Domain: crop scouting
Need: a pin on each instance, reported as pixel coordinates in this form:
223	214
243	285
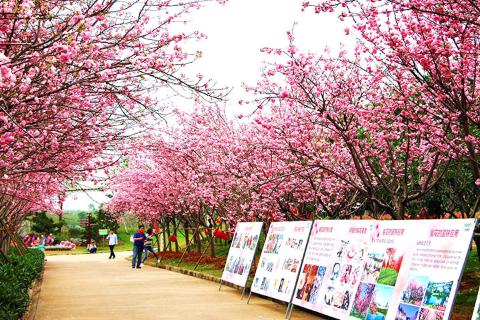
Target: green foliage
456	192
44	224
105	220
16	277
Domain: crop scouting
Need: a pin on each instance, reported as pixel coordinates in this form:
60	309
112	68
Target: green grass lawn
467	294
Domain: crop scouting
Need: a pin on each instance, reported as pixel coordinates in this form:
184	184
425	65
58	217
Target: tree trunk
198	242
399	212
174	222
187	239
4	241
212	245
168	236
477	244
164	236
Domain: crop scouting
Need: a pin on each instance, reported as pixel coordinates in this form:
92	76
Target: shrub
16	277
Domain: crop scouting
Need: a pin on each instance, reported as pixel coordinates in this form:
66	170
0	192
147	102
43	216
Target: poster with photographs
390	241
431	269
476	310
333	266
281	259
242	252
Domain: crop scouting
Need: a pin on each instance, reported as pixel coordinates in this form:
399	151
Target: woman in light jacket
112	242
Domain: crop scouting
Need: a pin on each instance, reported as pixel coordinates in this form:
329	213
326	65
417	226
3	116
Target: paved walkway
93	287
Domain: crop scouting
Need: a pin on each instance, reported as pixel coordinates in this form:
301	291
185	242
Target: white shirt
112	239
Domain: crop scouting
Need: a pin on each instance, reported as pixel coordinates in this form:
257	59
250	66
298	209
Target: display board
431	269
281	259
395	270
333	265
476	310
242	252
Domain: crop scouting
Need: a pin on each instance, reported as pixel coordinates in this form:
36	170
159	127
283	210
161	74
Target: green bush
16	277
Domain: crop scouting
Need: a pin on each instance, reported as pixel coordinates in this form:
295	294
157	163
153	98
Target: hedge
16	278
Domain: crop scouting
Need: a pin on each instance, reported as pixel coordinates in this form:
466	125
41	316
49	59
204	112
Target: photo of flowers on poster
242	252
378	308
427	295
362	300
407	312
437	295
391	264
281	259
309	283
345	274
273	243
379	276
415	290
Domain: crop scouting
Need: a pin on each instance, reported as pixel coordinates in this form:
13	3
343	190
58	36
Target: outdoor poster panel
431	269
333	266
390	243
242	252
281	259
476	310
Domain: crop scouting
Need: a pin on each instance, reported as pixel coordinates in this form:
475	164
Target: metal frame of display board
290	305
253	260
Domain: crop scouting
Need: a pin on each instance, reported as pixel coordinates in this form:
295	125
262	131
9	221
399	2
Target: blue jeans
137	256
147	249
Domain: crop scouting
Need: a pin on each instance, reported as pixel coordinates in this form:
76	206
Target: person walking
112	242
148	245
138	245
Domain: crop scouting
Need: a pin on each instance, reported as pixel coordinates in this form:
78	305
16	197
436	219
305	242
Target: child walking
148	245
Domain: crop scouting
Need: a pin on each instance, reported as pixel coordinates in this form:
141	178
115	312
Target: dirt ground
94	287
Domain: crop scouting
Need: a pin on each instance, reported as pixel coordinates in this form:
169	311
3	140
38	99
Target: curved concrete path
93	287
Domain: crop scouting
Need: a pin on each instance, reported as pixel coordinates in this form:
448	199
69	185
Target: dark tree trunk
168	236
174	222
212	245
164	236
477	244
198	242
187	238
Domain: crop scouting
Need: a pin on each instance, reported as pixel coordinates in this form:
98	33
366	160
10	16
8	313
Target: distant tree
106	220
44	224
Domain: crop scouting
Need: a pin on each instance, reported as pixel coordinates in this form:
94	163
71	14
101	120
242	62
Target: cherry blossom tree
74	76
429	51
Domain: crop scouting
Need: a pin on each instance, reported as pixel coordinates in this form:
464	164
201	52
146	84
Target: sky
231	53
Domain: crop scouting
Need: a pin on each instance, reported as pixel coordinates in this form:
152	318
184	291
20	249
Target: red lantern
172	238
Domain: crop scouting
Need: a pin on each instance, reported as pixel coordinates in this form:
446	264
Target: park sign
102	232
409	270
242	252
281	259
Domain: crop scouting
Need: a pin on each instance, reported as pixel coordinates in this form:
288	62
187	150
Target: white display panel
333	265
390	244
242	252
281	259
431	270
409	269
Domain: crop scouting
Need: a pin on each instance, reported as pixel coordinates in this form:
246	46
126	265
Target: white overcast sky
231	53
